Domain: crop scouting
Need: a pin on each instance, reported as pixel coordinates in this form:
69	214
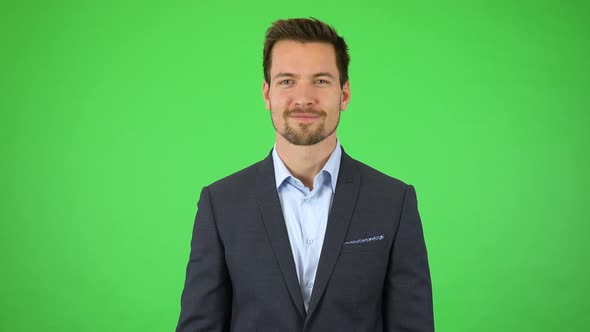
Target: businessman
307	239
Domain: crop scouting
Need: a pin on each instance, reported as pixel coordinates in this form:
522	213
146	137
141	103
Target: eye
286	82
320	81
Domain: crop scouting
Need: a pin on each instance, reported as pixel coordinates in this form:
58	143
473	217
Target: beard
305	134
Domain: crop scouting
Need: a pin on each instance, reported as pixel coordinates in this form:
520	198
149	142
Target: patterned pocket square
370	239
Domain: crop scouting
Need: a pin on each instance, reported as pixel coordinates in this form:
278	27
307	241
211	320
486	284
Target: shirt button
306	199
309	241
309	284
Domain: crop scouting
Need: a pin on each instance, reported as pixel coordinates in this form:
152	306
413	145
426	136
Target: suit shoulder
243	178
378	178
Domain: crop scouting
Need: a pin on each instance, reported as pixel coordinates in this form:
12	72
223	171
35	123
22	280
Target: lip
304	117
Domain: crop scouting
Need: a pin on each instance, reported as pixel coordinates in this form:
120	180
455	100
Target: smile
304	117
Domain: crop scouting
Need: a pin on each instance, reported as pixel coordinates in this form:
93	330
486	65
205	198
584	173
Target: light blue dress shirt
306	215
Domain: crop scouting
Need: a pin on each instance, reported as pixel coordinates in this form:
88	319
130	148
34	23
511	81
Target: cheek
331	107
277	101
276	114
331	99
277	105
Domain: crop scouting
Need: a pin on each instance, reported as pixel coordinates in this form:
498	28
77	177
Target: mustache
304	111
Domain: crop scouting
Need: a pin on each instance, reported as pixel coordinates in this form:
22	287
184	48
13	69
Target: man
308	239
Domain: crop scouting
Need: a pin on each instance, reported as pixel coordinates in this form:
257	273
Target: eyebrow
293	75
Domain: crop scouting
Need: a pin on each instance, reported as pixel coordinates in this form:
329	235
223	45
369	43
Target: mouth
304	117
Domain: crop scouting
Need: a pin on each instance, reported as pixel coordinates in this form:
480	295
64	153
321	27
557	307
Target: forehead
308	57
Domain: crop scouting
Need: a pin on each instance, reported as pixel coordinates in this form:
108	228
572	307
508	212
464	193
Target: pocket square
369	239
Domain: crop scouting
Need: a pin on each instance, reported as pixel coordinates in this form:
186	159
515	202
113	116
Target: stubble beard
305	134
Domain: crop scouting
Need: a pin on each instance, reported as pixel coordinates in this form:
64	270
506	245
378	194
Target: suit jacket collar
343	205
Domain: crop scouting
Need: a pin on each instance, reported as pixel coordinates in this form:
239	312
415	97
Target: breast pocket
360	246
360	271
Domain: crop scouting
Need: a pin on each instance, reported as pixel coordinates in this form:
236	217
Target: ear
265	91
345	99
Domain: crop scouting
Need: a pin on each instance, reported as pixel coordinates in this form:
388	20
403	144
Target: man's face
304	95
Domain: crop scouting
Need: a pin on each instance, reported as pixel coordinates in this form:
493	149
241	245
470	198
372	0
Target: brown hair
306	30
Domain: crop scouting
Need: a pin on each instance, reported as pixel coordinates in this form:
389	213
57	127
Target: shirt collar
332	166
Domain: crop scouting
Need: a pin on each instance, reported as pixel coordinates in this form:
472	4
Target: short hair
306	30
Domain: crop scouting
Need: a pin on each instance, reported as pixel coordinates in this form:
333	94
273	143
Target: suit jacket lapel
343	205
272	216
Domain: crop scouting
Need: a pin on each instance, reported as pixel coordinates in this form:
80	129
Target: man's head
305	79
305	31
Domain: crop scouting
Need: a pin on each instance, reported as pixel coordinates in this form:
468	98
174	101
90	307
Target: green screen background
114	115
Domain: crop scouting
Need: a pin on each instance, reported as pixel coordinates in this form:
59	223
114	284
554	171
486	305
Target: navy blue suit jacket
373	272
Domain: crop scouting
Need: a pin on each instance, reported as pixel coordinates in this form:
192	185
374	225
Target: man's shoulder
373	177
245	177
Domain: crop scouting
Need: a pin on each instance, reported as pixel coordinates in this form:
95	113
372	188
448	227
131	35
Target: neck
305	161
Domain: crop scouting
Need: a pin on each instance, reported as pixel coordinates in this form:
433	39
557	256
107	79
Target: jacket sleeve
407	297
206	298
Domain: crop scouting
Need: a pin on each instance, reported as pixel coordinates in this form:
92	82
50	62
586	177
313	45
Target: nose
304	96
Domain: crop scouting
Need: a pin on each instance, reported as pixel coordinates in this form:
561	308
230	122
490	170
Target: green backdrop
114	115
